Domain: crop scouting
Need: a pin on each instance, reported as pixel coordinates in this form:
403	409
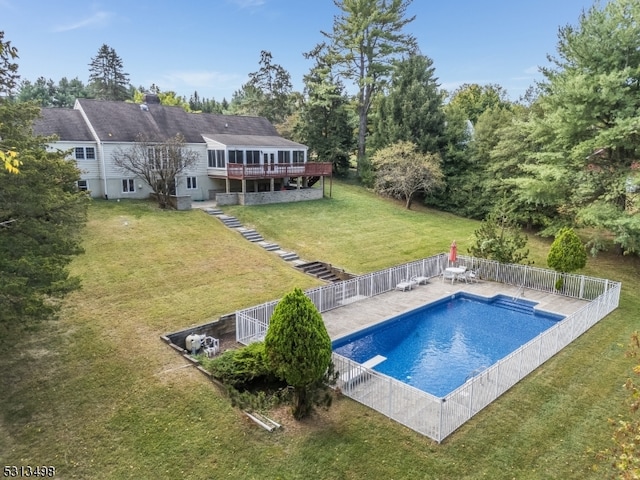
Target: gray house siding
104	127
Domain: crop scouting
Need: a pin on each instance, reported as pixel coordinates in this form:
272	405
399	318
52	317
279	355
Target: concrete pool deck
369	311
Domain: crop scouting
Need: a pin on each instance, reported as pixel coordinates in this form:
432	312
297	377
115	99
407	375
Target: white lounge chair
420	280
405	285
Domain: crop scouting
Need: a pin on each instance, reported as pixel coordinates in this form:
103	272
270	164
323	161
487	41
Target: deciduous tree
10	161
168	98
157	164
8	68
402	171
8	80
624	455
367	37
474	99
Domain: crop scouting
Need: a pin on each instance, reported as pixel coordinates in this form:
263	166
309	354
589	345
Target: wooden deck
238	171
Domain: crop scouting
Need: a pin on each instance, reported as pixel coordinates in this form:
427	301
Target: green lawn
98	395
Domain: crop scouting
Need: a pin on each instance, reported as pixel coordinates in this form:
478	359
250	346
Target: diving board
358	372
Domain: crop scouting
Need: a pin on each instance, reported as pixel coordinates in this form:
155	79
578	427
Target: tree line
564	155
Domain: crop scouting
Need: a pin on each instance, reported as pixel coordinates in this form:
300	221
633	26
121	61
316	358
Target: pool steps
522	306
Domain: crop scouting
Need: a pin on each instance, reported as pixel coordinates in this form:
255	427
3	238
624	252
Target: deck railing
439	417
278	170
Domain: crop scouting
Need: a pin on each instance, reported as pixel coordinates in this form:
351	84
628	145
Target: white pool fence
429	415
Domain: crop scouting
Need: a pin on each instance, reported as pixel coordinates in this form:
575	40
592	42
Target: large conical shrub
567	254
298	347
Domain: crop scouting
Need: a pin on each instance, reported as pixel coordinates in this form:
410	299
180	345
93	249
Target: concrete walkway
204	204
358	315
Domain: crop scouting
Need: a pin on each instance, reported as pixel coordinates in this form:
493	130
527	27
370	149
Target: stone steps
319	270
229	221
269	246
250	234
213	211
253	236
288	256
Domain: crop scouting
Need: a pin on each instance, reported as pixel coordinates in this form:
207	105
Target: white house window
253	156
83	185
82	153
236	156
158	157
216	158
284	156
128	185
298	156
191	183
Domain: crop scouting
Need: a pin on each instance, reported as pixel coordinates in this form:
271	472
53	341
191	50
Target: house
241	160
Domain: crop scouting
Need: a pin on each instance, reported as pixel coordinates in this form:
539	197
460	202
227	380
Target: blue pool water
438	346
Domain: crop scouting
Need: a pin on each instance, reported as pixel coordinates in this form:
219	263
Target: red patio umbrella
453	252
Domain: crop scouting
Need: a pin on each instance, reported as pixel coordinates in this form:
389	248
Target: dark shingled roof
67	124
123	122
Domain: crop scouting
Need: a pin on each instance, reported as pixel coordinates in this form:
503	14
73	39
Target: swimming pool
439	346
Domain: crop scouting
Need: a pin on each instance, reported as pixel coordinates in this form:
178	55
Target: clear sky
210	46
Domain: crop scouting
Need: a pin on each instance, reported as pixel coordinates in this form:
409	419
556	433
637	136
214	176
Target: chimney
151	99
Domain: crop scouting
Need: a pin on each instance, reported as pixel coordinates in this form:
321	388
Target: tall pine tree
326	123
367	36
106	76
587	166
412	109
267	93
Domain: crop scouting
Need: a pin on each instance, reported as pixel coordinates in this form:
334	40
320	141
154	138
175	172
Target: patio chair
463	276
472	276
446	275
405	285
420	280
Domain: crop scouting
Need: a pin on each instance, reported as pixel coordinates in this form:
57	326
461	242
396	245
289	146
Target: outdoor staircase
319	270
213	211
288	256
229	221
312	181
270	247
250	234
